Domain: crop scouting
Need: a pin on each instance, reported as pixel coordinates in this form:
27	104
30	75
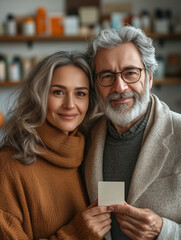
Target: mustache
116	96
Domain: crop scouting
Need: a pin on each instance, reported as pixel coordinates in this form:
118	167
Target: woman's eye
81	94
58	92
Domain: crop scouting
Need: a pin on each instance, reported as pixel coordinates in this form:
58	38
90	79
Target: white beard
121	115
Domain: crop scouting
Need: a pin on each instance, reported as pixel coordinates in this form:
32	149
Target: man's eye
131	73
107	76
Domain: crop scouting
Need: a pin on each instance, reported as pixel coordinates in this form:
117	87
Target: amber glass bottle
41	21
1	119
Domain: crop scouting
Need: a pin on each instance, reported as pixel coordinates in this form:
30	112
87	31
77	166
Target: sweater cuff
77	229
170	230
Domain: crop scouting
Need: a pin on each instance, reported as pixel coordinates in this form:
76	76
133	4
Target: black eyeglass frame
140	69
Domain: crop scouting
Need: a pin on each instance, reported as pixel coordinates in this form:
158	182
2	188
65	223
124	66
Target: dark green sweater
120	155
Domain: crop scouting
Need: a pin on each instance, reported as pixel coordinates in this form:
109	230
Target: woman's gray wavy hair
110	38
30	107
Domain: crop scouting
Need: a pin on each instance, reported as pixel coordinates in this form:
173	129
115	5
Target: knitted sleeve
75	230
11	229
15	217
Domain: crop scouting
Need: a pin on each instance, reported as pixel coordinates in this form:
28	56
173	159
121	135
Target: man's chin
120	108
122	101
119	119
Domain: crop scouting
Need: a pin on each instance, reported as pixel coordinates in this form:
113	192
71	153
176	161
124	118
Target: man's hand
137	223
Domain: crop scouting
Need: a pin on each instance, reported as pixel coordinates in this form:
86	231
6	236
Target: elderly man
136	140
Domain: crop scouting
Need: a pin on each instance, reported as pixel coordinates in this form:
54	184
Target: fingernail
111	209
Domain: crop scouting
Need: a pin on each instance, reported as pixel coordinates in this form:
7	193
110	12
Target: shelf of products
10	84
173	36
165	81
46	38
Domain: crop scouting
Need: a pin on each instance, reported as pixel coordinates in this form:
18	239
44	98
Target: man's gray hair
110	38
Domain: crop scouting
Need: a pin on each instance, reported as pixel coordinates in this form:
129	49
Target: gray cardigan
156	181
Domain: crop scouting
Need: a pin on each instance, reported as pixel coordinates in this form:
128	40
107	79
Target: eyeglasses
129	75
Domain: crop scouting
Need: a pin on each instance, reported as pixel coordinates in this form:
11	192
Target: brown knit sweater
44	200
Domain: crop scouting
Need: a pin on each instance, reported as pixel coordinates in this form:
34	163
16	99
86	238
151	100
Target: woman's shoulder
8	164
6	154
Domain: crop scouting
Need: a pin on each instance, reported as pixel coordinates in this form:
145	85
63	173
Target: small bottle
2	30
168	16
161	22
14	73
11	25
41	21
28	27
136	21
1	119
18	61
146	21
26	66
2	69
9	60
160	72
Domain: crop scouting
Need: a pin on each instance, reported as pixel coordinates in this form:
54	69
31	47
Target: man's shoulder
97	126
165	110
98	120
176	118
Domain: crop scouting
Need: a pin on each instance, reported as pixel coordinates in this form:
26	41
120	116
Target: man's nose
69	102
120	85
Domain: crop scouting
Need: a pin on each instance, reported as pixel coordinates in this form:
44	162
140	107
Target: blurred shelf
165	81
10	84
21	38
171	36
46	38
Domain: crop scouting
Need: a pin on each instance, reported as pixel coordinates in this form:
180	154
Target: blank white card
110	193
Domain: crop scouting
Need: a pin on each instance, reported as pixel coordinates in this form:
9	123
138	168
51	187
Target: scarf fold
61	149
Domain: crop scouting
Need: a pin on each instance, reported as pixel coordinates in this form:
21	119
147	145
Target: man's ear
150	80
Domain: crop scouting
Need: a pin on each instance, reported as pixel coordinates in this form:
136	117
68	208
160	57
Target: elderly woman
42	194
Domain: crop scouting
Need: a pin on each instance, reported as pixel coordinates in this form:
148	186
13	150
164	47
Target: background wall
170	94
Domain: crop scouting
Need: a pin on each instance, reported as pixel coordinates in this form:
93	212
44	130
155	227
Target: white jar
146	21
2	69
160	71
29	27
11	25
136	21
14	75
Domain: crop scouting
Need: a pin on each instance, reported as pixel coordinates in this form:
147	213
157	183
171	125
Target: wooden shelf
22	38
10	84
171	36
165	81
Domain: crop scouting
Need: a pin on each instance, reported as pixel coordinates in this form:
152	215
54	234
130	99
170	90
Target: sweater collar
61	149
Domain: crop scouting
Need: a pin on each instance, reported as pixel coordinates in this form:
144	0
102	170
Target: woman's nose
69	102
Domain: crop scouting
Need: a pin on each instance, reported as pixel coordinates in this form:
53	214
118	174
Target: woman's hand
98	219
